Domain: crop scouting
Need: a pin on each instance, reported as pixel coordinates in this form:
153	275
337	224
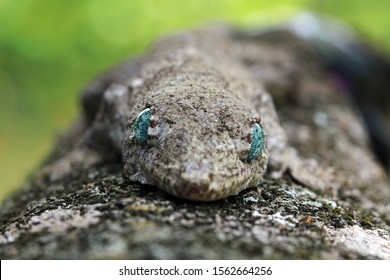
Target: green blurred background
49	49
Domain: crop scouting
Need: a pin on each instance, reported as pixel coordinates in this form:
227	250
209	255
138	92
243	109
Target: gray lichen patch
107	217
52	221
370	243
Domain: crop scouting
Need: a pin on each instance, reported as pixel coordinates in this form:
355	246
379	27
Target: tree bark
99	214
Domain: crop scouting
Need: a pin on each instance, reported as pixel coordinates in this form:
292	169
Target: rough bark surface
99	214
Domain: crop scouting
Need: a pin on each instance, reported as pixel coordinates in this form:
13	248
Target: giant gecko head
195	143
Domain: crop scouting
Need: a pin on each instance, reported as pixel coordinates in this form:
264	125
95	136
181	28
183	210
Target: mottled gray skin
200	134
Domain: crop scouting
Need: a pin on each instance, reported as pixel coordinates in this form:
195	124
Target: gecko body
188	117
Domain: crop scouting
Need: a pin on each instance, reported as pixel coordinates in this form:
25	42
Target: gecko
188	117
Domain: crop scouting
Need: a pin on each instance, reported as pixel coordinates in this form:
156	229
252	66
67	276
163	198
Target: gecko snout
209	174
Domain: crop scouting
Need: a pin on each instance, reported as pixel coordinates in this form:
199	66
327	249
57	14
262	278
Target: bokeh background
49	49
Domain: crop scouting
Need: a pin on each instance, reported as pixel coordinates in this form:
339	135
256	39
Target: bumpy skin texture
200	136
200	133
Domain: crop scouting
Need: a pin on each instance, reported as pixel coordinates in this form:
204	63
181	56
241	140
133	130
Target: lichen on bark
99	214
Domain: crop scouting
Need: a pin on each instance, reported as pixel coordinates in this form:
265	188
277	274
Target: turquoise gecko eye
257	143
141	125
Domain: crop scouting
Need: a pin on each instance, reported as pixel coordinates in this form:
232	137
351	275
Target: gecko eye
141	125
258	142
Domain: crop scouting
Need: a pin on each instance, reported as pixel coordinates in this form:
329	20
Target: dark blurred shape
92	94
362	71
